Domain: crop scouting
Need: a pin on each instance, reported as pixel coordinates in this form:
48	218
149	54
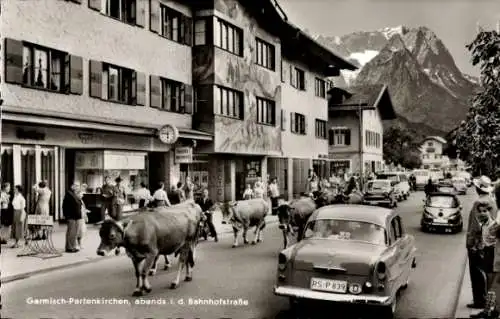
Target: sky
453	21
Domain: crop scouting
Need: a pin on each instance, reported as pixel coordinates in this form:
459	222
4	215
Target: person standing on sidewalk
7	214
19	206
42	202
107	193
82	222
72	211
274	193
258	188
119	199
475	235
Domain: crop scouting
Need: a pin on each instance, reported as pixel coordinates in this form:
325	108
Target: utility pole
361	162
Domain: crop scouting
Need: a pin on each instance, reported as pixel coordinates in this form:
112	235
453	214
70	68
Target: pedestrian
474	235
7	214
430	187
42	207
188	189
160	197
72	211
248	193
274	194
207	205
173	195
312	186
258	188
107	195
143	195
19	207
119	199
180	192
82	222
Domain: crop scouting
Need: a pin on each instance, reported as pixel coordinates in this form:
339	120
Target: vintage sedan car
401	185
442	211
380	192
349	254
460	185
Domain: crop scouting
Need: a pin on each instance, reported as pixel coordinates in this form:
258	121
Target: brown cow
160	231
244	214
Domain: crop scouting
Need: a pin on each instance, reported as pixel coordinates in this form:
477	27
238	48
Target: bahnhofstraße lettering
76	301
216	302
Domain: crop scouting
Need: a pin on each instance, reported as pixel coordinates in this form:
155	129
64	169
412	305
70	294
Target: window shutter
154	15
76	74
155	91
95	79
283	120
13	61
133	89
330	137
188	31
304	82
305	124
188	99
141	88
140	10
292	122
95	4
291	74
347	137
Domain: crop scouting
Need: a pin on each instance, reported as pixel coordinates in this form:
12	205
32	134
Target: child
248	194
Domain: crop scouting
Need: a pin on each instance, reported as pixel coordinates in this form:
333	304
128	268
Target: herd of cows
175	230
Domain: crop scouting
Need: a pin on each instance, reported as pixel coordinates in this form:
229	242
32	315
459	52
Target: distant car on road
460	185
422	177
402	187
467	176
380	192
442	211
349	254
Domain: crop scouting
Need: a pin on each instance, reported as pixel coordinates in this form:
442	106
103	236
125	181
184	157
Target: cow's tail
190	257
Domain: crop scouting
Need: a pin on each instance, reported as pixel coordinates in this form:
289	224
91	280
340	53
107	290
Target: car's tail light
381	269
368	287
282	261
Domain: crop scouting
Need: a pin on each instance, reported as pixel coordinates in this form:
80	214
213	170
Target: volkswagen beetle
442	211
349	254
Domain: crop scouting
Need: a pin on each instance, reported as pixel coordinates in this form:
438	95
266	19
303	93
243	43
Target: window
118	84
45	68
372	139
298	123
172	24
123	10
266	111
264	54
228	37
320	129
172	96
228	102
319	87
340	166
339	137
200	32
297	78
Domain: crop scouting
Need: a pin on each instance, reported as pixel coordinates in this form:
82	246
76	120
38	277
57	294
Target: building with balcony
432	153
87	85
355	128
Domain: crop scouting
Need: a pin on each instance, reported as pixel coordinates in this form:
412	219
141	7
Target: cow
160	231
245	214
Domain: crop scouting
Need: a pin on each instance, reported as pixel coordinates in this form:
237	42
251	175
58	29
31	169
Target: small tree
478	137
402	147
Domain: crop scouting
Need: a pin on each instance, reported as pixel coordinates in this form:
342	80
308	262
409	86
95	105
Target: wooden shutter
292	122
76	74
347	137
154	15
155	91
95	5
330	137
13	61
305	124
283	120
188	30
291	75
133	88
304	77
140	18
141	88
95	79
188	99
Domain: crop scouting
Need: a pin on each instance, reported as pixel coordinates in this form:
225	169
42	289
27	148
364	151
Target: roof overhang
384	104
96	124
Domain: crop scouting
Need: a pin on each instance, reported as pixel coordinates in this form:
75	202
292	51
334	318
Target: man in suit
206	205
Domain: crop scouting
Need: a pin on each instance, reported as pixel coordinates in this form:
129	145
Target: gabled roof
436	138
375	96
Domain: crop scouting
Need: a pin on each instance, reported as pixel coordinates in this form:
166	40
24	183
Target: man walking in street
274	193
206	205
477	269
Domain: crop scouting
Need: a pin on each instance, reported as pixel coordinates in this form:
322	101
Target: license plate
440	221
338	286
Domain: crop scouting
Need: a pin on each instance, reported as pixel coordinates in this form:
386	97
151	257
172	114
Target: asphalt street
246	273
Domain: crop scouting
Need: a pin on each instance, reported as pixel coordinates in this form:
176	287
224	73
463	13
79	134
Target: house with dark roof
355	128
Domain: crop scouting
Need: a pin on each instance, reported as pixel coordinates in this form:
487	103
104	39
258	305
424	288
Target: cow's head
111	233
324	198
284	215
227	209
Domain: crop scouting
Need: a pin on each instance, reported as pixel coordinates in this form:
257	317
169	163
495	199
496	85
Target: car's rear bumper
451	223
302	293
377	201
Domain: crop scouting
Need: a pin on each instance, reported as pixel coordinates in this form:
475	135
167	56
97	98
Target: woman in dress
188	189
258	188
43	199
19	206
82	222
160	197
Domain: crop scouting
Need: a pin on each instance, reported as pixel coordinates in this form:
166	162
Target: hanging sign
41	220
183	155
168	134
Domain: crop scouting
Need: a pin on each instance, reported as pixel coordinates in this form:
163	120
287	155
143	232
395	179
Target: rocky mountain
429	92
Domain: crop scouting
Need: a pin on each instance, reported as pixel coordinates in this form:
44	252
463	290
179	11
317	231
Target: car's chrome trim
318	295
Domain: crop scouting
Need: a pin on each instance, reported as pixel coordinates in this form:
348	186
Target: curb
89	260
461	288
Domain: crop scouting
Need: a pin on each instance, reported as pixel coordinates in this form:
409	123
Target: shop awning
42	117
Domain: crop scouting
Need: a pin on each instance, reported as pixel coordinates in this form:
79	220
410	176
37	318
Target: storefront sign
168	134
89	160
43	220
23	134
124	160
183	155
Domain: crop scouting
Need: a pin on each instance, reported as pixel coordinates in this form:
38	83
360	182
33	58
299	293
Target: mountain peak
389	32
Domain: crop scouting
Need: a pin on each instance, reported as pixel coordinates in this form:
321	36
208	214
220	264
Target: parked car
401	187
349	254
442	211
460	185
422	177
380	192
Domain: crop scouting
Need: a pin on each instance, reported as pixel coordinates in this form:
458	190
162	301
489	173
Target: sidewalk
16	268
465	296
